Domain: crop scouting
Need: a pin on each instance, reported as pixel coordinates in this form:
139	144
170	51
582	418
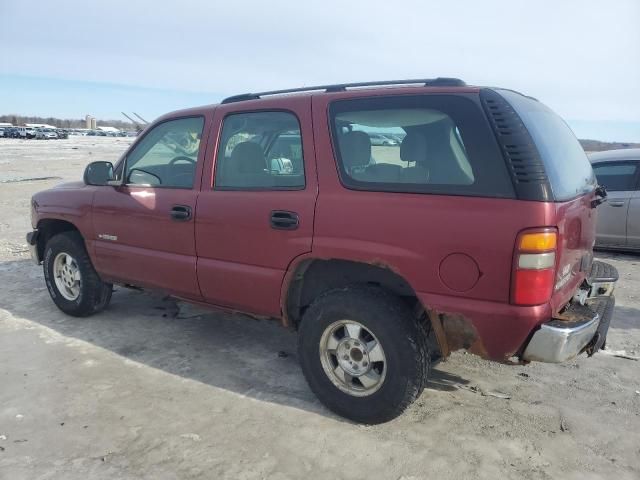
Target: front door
256	214
144	229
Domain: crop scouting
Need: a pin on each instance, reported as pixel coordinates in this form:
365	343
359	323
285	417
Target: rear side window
617	177
260	151
421	144
566	165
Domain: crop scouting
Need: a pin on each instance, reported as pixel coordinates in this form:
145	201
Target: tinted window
616	176
567	167
429	143
167	155
260	150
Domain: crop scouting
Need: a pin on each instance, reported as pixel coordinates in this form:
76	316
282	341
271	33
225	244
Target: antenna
136	124
143	120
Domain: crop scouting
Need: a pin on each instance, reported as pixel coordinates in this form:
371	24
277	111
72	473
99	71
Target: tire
384	319
77	290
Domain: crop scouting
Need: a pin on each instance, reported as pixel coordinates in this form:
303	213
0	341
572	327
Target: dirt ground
154	389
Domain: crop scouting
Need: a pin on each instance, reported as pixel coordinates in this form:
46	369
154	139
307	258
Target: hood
70	185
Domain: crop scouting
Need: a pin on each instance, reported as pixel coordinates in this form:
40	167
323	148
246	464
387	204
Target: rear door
255	212
620	180
144	229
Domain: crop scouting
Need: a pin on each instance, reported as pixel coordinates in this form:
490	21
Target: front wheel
73	283
363	353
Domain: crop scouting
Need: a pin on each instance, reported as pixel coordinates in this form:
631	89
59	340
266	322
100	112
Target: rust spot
455	332
436	324
376	262
574	312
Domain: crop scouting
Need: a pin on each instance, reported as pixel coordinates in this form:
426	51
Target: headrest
247	157
414	148
355	148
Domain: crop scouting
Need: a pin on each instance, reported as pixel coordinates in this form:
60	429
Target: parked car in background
62	133
619	217
3	132
476	238
26	132
46	134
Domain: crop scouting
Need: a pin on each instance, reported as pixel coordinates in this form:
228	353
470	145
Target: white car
46	134
26	132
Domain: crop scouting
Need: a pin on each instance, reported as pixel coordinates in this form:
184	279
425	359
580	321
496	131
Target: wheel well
48	228
314	277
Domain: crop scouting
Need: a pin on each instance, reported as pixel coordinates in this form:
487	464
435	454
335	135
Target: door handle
181	213
283	220
616	203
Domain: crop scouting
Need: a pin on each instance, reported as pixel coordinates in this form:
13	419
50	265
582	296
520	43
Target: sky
72	58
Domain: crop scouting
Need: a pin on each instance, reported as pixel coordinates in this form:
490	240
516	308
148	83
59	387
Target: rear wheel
363	353
73	283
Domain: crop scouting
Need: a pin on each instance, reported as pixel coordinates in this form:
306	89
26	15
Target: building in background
90	122
108	129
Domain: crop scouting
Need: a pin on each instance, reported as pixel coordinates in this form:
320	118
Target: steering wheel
180	158
177	177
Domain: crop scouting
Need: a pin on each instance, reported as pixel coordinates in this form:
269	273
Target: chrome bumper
583	327
557	342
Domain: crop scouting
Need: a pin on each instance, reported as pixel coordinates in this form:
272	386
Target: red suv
472	228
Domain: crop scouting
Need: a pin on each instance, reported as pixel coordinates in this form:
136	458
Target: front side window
260	151
616	177
167	155
423	144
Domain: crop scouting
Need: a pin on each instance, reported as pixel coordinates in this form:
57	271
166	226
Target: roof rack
341	87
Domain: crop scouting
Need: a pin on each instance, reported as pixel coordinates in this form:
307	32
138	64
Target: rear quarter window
438	144
565	162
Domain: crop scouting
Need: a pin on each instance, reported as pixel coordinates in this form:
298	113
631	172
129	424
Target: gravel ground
155	389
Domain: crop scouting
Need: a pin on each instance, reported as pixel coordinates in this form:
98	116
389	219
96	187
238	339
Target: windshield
567	166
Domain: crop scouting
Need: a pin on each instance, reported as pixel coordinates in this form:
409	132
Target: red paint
229	256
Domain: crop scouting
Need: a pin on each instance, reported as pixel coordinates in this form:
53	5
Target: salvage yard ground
156	389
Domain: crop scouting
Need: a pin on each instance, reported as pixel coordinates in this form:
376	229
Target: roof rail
341	87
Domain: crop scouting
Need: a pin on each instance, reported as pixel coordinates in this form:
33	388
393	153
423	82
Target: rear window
566	164
418	144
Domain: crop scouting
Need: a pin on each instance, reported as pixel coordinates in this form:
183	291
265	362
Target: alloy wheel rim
353	358
67	277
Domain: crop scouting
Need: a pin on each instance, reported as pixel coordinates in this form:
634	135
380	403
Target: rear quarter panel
456	252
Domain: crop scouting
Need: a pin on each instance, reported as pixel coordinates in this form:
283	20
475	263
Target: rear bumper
583	328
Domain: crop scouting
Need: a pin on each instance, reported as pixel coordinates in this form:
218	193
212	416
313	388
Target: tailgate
576	221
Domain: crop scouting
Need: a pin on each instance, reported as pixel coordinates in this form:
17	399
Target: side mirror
98	173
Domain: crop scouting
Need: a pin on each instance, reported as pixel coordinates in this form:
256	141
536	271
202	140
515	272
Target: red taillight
534	267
